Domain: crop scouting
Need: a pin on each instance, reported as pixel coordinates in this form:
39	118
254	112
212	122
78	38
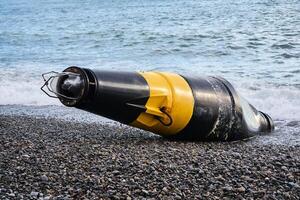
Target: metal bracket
48	82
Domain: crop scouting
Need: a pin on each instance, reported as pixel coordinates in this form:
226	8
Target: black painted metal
218	113
111	93
206	110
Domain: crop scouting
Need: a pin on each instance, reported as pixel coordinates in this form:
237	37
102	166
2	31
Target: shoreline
56	159
287	131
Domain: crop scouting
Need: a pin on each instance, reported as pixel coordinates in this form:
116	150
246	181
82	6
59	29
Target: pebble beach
48	151
44	158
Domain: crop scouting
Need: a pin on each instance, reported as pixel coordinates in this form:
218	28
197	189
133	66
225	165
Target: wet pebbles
52	159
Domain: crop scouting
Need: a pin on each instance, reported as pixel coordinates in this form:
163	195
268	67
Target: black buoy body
168	104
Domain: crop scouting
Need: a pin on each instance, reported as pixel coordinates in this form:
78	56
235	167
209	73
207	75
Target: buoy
171	105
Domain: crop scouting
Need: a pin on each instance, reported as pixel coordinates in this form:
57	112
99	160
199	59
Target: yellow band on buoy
170	105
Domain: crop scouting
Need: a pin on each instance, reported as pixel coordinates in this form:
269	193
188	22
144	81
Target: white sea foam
21	87
25	92
279	102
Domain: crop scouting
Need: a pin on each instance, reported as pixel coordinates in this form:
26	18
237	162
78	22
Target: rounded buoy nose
71	85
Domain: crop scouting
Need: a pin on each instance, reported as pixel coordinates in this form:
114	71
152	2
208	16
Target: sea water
254	44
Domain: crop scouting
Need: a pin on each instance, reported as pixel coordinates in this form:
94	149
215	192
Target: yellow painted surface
169	91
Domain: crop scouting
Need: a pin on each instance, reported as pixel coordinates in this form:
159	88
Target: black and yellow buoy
168	104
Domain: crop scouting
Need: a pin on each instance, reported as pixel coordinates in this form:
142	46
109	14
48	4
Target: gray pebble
241	189
44	178
34	194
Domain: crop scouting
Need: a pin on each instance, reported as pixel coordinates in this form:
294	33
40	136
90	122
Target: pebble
227	188
292	184
34	194
11	195
241	189
44	178
145	192
165	189
25	156
220	178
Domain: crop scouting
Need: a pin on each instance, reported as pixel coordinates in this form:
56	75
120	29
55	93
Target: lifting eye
163	110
